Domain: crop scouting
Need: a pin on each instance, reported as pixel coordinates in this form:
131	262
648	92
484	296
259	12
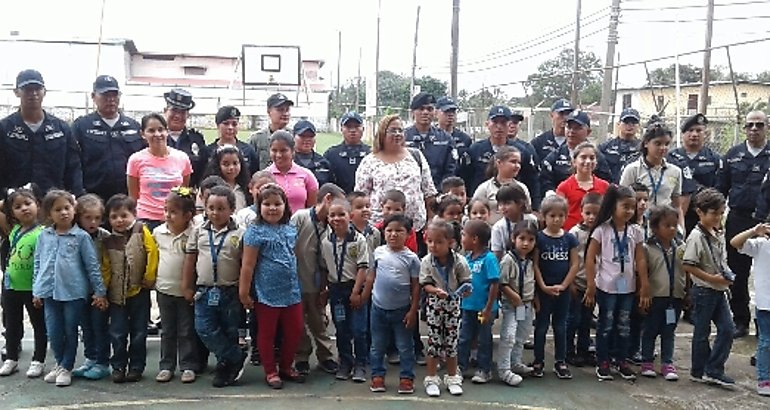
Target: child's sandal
292	375
274	381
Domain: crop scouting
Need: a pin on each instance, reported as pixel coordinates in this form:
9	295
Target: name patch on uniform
53	136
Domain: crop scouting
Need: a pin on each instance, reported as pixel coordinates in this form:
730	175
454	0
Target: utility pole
574	96
414	52
704	88
339	62
455	48
356	108
612	40
377	62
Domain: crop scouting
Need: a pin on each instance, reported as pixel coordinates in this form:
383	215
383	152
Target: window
159	57
692	104
744	95
661	102
194	70
626	101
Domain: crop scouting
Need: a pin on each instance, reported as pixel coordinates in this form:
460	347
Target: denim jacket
66	266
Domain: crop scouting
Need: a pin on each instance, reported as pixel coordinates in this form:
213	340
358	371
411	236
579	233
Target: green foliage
553	79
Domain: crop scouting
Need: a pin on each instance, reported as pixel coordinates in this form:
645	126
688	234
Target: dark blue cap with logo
105	83
179	99
562	105
29	77
351	116
517	115
446	104
697	119
422	99
277	100
302	126
499	111
628	113
227	112
579	116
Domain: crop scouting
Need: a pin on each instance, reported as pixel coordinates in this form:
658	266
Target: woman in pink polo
581	182
299	183
153	171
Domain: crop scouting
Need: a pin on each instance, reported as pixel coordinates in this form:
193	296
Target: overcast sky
489	29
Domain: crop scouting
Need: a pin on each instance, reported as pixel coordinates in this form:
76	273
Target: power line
693	6
697	20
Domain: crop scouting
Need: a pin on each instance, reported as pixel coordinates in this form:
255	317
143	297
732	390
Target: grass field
322	142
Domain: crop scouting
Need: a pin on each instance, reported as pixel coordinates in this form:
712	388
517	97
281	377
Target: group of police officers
91	155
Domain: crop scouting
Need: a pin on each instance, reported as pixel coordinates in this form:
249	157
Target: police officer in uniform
447	118
188	140
529	174
35	146
700	165
107	138
344	158
557	166
279	114
305	156
227	127
625	148
552	139
435	143
745	167
482	152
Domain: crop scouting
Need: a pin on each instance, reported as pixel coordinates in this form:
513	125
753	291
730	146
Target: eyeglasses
394	131
630	121
750	125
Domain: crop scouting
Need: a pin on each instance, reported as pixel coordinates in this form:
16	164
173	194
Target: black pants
14	303
740	265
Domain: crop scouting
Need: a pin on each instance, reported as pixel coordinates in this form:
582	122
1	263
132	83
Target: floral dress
376	177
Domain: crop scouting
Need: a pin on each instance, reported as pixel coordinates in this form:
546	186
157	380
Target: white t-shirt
502	230
759	249
111	121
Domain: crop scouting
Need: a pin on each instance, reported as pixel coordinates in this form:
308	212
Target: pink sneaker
669	372
648	370
763	388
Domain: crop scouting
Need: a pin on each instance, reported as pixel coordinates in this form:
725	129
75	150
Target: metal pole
339	63
377	62
678	98
574	96
358	82
455	48
414	53
735	95
704	88
99	45
612	40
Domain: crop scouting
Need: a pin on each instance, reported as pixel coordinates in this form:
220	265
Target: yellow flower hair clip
183	191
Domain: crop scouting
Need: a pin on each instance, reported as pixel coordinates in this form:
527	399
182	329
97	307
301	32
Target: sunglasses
750	125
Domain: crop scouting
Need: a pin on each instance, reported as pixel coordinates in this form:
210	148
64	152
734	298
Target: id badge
621	284
521	312
213	299
670	316
339	312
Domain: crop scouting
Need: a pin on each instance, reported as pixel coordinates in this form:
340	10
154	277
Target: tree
764	77
688	73
432	85
553	79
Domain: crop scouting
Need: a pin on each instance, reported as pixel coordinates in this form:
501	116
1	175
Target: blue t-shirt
394	272
275	276
554	256
484	271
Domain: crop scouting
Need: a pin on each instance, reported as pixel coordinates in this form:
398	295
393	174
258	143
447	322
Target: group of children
209	269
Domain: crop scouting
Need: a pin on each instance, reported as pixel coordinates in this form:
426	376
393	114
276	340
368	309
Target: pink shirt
157	175
297	182
608	271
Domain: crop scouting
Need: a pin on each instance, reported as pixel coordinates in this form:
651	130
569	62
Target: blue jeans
61	321
96	336
579	323
614	327
710	305
351	329
655	325
470	330
217	326
763	345
387	325
128	324
556	307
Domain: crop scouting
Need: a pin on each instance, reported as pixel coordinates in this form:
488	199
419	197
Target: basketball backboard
271	65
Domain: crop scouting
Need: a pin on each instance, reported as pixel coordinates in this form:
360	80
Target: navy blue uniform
247	152
192	143
529	174
545	144
104	152
618	152
481	153
317	164
740	181
49	157
557	167
438	148
699	171
344	160
463	143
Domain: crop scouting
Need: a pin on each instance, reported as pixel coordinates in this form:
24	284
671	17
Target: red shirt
571	190
411	240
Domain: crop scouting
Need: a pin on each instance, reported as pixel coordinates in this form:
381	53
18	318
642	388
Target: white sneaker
9	367
432	386
481	377
51	376
64	378
454	384
35	369
520	368
510	378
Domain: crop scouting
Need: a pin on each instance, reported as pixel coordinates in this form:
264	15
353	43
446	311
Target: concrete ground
322	391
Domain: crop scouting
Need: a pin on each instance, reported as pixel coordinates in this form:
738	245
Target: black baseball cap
29	77
562	105
351	116
697	119
302	126
277	100
105	83
579	116
422	99
225	113
630	113
499	111
446	104
517	115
